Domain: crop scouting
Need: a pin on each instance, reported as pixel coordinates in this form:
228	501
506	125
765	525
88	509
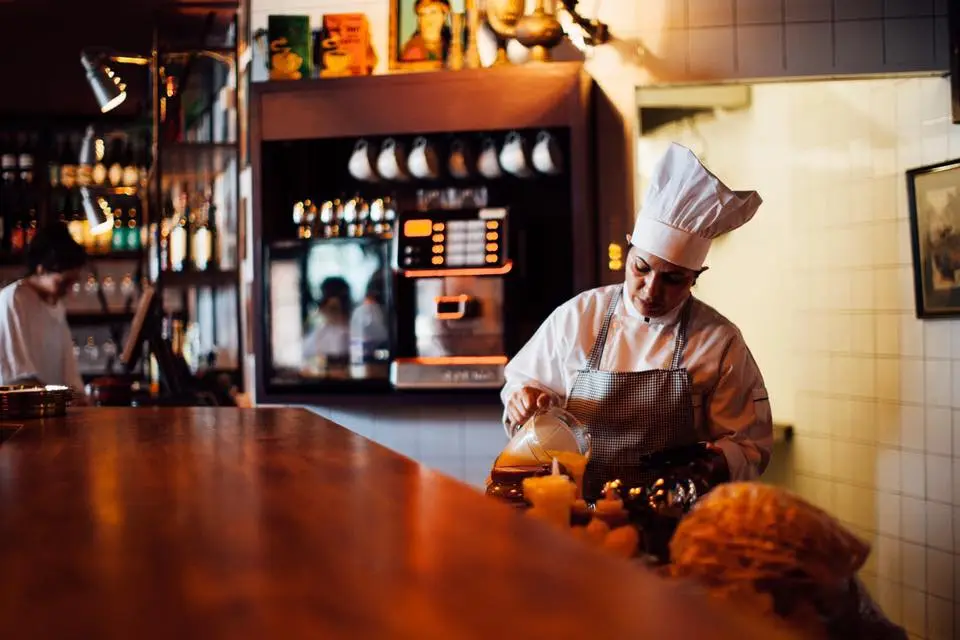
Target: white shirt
35	339
730	401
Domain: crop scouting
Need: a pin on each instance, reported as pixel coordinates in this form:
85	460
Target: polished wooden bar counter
276	523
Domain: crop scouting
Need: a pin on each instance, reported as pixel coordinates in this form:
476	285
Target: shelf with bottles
188	239
117	282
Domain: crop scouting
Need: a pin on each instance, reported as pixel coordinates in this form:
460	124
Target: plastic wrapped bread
777	554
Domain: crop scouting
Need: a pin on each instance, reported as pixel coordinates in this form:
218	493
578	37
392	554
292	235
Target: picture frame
409	50
933	194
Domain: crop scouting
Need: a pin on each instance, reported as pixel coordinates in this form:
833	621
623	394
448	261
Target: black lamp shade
105	84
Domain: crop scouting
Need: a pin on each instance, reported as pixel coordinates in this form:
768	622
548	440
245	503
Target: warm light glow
491	259
438	226
113	104
416	228
493	246
493	235
469	271
99	146
132	60
437	260
493	224
103	227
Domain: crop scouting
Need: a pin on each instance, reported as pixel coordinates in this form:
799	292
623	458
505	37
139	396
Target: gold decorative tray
29	401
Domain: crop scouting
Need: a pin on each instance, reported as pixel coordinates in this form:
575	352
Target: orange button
491	258
438	248
438	226
493	246
438	237
492	235
437	260
493	224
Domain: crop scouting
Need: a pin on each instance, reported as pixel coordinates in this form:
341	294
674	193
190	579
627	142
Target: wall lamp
108	88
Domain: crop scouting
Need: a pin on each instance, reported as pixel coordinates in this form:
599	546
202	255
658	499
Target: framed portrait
934	198
420	33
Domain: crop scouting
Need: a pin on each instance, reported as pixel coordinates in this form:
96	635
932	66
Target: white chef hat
686	207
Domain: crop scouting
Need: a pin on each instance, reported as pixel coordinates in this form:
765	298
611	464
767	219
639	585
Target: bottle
131	175
84	168
77	217
201	248
114	163
53	165
68	164
25	159
132	234
180	234
30	225
118	241
143	162
100	166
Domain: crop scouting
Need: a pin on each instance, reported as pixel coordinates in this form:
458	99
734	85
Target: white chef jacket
35	339
730	401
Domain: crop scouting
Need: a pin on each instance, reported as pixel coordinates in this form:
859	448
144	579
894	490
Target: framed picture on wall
934	198
420	33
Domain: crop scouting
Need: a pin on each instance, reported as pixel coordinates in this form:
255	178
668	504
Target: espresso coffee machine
450	266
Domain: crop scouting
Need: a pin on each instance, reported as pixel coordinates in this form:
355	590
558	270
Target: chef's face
57	284
656	286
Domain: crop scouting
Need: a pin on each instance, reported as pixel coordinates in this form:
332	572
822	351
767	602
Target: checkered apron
631	414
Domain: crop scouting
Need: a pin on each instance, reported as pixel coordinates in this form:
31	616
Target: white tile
937	339
940	573
888	334
888	558
842	458
863	334
886	296
863	421
912	430
940	623
815	490
482	438
939	430
955	378
862	290
936	383
915	612
905	301
911	336
913	520
888	513
476	471
888	379
889	595
940	478
912	388
940	526
956	482
888	469
913	566
954	335
888	423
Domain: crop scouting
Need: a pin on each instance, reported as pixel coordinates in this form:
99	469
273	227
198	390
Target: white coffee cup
459	161
488	164
391	163
513	156
546	157
423	162
361	162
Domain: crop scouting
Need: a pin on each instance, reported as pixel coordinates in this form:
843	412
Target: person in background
36	346
644	364
329	337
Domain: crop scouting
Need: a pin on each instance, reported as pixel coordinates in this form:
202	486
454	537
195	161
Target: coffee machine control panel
448	240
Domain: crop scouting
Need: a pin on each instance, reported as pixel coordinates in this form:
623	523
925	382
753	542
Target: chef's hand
524	402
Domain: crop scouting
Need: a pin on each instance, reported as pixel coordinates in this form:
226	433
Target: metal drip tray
24	401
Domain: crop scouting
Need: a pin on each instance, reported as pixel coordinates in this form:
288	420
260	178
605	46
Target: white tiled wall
820	282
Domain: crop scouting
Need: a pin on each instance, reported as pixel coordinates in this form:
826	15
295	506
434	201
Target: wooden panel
470	100
226	523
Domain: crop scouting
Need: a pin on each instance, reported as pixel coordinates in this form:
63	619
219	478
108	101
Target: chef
645	364
36	346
